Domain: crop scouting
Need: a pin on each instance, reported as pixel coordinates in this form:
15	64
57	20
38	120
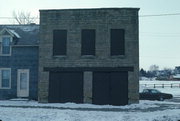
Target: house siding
102	20
21	58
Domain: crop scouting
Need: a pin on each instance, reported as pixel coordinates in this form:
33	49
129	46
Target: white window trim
1	54
1	78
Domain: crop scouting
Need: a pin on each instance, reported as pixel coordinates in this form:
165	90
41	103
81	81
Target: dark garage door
110	88
66	87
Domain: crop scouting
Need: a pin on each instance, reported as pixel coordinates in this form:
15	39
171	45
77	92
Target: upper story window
59	42
5	46
5	78
88	42
6	40
117	42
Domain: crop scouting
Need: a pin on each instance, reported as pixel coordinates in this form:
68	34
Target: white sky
159	37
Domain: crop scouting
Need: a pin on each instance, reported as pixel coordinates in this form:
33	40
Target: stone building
89	56
19	61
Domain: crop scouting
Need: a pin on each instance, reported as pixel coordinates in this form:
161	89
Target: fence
173	85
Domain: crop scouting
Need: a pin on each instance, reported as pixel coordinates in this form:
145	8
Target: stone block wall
102	20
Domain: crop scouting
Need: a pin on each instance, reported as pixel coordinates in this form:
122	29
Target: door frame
21	93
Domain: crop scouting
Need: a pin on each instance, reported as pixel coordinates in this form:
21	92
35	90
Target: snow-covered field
15	110
175	90
144	111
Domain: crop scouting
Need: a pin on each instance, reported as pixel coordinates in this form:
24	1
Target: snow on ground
142	105
49	114
175	91
24	110
20	114
157	82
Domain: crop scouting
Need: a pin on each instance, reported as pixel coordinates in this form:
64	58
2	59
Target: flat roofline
114	8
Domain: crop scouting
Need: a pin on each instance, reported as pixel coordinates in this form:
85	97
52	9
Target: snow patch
14	33
29	28
50	114
20	102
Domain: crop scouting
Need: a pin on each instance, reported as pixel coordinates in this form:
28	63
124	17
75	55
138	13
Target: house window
59	42
6	45
88	42
117	41
5	78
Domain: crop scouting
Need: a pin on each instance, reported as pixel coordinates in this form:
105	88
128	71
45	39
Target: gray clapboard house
89	56
19	61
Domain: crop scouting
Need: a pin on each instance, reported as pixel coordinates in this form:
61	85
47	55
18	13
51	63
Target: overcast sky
159	36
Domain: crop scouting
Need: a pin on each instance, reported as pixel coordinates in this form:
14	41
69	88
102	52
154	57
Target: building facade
19	61
89	56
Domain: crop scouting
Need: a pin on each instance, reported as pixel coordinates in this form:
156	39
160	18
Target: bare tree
23	17
154	68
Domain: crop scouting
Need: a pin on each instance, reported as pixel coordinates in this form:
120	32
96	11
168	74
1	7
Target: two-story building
89	56
19	61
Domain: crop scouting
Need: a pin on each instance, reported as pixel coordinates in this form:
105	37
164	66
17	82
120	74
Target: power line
152	15
6	18
19	18
159	57
156	15
159	33
152	35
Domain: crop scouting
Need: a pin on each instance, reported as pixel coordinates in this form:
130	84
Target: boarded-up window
117	41
88	42
59	42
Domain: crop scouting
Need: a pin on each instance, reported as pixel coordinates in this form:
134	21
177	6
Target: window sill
88	56
117	56
5	88
59	56
5	54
